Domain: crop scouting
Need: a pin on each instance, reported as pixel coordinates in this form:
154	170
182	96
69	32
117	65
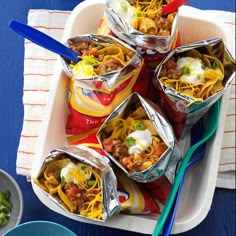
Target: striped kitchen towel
38	73
227	165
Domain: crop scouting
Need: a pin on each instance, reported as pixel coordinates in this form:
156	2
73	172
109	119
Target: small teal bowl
39	228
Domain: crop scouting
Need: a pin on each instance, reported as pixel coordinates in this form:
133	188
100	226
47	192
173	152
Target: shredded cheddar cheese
85	68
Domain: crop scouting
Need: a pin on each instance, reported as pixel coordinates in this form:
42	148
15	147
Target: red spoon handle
173	6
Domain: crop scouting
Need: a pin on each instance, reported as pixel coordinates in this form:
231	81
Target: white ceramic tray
199	186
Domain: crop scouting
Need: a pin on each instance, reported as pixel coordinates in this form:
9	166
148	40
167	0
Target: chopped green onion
203	65
58	172
215	64
88	63
91	182
97	59
63	180
198	77
5	203
139	125
3	219
124	6
186	70
5	207
131	141
103	69
227	57
99	47
6	194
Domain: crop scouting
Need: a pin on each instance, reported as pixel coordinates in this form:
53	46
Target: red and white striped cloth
38	72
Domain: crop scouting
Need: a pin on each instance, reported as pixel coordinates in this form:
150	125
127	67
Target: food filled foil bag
132	196
191	79
81	182
105	63
108	72
139	140
143	25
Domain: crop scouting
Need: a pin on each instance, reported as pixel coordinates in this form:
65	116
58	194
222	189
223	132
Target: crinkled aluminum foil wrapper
136	38
179	108
107	82
88	156
168	161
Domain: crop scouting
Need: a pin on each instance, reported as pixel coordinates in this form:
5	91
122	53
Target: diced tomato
72	191
94	52
108	144
108	140
91	52
170	64
159	150
109	147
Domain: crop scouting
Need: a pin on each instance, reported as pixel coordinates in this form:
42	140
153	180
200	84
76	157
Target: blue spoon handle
43	40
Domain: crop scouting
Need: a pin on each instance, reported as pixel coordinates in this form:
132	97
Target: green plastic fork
211	127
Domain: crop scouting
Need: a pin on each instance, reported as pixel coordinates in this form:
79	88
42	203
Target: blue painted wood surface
221	218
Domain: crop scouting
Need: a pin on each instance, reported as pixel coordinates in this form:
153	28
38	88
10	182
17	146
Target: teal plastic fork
197	133
211	127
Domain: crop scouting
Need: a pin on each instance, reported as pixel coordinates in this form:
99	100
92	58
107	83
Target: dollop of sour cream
65	172
194	65
124	10
143	140
75	173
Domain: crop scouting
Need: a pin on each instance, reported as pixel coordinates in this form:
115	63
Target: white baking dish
199	186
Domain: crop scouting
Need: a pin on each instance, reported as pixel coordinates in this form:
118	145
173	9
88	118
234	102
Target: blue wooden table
221	218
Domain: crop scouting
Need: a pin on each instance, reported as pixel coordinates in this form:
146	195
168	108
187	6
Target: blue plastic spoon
43	40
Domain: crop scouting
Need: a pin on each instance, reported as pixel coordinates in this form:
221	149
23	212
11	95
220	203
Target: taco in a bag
104	62
74	179
138	138
191	79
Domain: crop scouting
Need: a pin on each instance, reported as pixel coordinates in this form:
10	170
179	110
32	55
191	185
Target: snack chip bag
132	196
108	72
159	189
191	79
143	25
81	182
138	139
